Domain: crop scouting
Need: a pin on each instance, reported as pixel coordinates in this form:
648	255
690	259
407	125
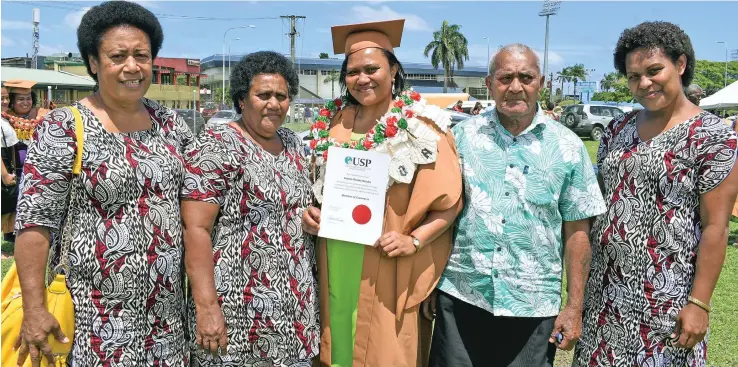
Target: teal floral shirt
508	251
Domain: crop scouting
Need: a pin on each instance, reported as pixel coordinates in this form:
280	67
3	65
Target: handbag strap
13	153
79	131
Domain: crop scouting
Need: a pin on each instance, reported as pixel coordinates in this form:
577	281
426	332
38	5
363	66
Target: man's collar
539	119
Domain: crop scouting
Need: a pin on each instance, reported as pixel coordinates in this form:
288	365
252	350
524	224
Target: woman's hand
691	326
9	179
394	244
311	220
37	325
211	332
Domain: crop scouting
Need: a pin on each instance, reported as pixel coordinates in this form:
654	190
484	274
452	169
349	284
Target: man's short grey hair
514	49
693	89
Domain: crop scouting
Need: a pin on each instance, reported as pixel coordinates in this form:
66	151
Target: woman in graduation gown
370	296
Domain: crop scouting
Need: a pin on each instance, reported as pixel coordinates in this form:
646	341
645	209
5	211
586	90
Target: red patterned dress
644	248
126	252
263	261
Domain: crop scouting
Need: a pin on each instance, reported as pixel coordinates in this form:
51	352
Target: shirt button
515	140
495	273
503	221
507	194
512	165
499	249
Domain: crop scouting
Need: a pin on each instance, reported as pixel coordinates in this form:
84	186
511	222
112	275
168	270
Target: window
595	110
309	72
616	112
421	76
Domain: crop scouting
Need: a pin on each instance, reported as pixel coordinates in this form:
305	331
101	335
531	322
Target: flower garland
23	127
399	133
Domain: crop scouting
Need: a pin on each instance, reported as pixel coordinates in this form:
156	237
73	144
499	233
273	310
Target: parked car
208	110
589	120
224	117
196	123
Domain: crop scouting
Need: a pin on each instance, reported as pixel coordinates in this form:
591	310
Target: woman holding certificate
370	296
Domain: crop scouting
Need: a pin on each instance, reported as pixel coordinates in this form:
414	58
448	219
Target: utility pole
34	40
550	7
293	33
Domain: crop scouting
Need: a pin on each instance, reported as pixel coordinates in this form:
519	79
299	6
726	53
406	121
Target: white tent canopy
724	98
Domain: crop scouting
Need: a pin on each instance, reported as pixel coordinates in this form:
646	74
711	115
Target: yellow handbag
58	299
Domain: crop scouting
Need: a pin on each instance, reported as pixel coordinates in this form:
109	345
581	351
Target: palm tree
609	81
449	49
577	73
564	76
332	77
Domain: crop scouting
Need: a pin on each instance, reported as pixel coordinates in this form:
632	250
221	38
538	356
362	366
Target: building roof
46	77
215	61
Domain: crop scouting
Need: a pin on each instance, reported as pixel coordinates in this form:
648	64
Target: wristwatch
416	243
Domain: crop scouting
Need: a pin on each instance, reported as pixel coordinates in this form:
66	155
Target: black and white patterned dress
126	254
263	261
644	249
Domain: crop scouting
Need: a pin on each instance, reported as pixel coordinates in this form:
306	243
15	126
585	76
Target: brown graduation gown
390	331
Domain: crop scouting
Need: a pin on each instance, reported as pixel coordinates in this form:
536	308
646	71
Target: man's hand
691	326
428	307
569	324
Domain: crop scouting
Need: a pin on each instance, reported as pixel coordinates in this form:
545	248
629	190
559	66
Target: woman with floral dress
125	255
250	266
670	184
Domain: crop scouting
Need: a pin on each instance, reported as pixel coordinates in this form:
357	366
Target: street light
726	62
550	7
222	98
229	59
488	62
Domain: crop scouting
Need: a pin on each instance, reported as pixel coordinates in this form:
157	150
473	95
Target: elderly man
527	179
694	93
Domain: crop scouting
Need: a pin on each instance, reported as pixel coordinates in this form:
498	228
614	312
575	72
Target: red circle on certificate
362	214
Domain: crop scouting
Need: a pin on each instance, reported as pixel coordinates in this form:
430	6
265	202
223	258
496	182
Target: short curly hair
110	14
665	36
257	63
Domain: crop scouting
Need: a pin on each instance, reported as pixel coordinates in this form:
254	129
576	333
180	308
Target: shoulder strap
79	130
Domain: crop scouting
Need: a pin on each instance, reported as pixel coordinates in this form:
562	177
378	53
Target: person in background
125	254
249	264
529	192
477	108
669	180
370	296
9	166
694	94
457	106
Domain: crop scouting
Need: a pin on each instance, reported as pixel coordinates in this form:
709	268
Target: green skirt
345	263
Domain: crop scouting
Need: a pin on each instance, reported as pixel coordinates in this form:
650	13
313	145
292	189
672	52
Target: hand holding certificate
354	195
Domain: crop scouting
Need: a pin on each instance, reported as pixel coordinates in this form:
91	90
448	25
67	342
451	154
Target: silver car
224	117
589	120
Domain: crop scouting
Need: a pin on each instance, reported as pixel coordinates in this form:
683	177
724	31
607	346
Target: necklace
23	126
400	133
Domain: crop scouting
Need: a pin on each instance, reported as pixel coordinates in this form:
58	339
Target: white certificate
354	195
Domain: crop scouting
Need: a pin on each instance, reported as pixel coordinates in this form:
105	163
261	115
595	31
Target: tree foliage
323	55
448	49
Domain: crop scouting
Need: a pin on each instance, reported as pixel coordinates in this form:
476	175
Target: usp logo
356	161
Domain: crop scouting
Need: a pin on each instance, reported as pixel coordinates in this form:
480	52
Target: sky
581	32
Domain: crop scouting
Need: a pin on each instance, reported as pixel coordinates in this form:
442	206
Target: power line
70	6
